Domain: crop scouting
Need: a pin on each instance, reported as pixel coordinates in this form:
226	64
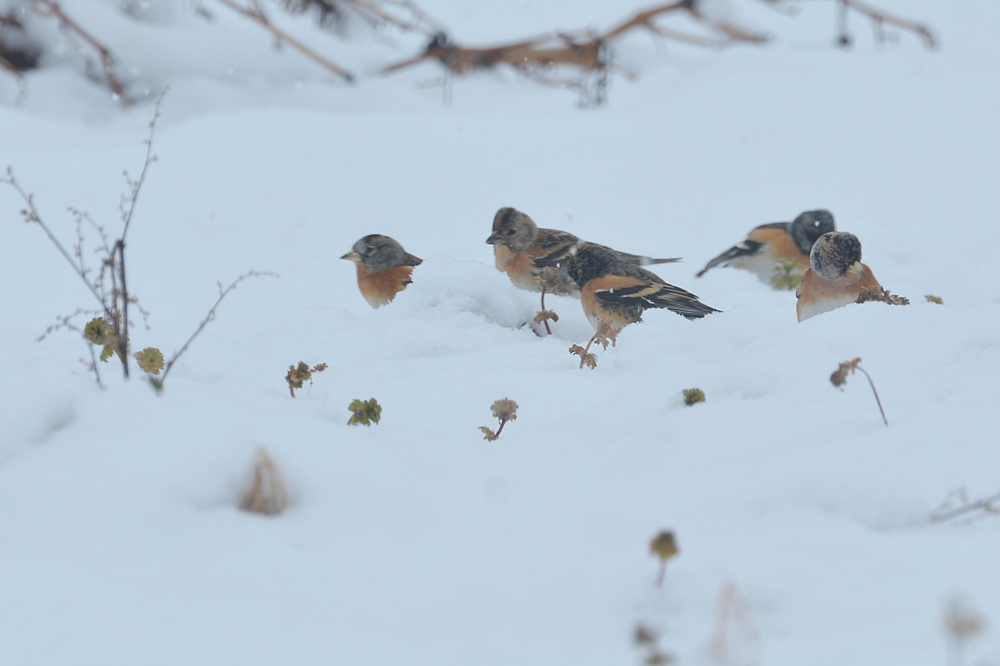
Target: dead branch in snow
255	12
52	9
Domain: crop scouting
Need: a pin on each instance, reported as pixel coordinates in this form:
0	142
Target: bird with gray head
535	258
383	268
770	245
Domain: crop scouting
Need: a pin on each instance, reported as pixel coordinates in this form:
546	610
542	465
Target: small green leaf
150	360
97	331
488	434
785	274
106	353
693	396
364	412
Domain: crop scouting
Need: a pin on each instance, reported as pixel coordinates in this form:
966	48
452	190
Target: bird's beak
856	269
352	256
493	239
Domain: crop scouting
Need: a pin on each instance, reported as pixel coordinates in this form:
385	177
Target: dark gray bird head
378	253
809	226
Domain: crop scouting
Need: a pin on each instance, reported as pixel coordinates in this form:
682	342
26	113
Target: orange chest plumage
381	287
818	295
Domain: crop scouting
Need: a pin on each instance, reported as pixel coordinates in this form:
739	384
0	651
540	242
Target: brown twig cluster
585	51
586	54
882	295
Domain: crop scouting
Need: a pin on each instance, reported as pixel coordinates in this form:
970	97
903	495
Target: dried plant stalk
839	378
266	494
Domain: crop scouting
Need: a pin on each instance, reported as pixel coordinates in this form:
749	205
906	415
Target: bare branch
257	14
209	317
32	215
585	51
987	504
879	17
51	8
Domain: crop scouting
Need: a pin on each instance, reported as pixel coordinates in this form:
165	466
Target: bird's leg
544	316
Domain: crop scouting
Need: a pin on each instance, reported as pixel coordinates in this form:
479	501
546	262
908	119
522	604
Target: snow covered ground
415	541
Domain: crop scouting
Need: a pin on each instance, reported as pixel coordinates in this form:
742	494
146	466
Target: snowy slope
414	541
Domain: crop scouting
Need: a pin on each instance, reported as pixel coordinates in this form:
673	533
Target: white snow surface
414	541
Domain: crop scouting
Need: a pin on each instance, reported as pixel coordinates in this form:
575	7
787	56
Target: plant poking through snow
734	639
605	336
957	503
301	373
664	546
266	494
647	639
931	298
693	396
961	624
785	275
839	378
504	410
883	295
111	329
364	412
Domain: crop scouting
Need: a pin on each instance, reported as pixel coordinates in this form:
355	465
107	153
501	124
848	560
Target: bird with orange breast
535	258
614	293
384	268
836	276
768	245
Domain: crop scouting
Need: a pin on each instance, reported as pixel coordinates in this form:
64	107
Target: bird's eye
509	232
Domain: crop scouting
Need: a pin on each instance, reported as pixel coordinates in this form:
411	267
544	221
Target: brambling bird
768	244
535	258
384	268
614	294
836	276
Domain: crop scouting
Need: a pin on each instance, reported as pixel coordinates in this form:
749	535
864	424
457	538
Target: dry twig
582	50
209	317
52	9
255	12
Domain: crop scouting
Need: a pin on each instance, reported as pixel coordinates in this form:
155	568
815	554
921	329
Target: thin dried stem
209	317
255	13
877	401
32	215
